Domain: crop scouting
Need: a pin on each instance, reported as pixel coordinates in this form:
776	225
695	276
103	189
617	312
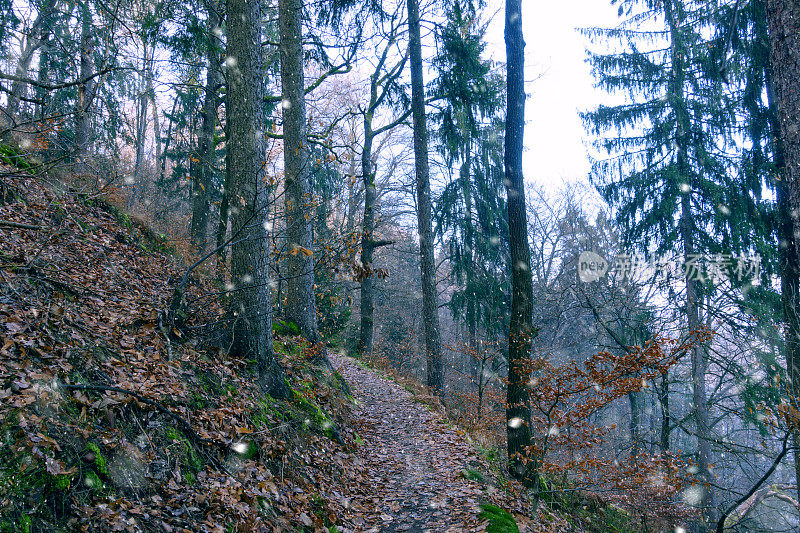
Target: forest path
412	461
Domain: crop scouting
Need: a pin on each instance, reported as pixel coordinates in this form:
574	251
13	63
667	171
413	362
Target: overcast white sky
555	141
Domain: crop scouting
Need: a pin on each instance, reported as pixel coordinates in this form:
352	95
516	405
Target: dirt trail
412	459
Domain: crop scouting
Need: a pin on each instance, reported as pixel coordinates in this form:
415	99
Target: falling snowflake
694	495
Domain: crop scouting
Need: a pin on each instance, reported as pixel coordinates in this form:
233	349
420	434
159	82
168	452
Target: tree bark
300	303
222	224
687	235
430	307
249	307
204	178
352	199
783	25
699	365
783	28
635	401
151	97
663	400
141	120
43	73
38	35
84	100
367	239
521	330
465	176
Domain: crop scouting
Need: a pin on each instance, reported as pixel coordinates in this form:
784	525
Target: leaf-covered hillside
111	422
114	421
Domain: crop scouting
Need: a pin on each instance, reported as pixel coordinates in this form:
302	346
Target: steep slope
111	422
112	419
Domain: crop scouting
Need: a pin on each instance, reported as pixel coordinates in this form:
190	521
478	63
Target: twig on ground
18	225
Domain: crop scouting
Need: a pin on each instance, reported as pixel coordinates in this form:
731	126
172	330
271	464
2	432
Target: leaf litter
111	423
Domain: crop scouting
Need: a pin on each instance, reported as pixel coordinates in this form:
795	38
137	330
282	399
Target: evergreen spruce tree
85	97
783	23
333	308
250	307
300	299
470	211
206	154
430	308
669	171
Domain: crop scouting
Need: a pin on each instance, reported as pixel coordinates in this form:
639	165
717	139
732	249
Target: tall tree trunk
635	401
430	307
203	181
224	212
663	400
151	96
250	307
222	224
141	120
790	285
43	75
521	330
162	171
300	304
367	240
465	175
352	200
85	89
37	36
24	63
783	24
698	353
